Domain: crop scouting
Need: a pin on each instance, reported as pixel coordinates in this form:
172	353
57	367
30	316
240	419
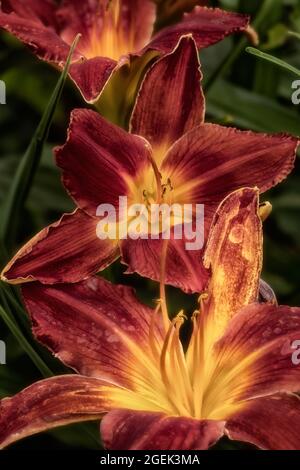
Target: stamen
166	186
157	175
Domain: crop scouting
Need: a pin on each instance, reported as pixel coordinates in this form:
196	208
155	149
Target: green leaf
26	170
294	35
13	327
232	104
273	60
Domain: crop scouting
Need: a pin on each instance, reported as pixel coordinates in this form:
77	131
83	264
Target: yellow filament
162	288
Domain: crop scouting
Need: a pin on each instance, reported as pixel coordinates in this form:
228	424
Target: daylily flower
235	378
169	156
113	32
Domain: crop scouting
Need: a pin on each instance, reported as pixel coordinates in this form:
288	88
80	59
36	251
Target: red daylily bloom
181	161
112	32
236	377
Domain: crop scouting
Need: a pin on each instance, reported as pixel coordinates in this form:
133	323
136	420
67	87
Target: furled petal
258	345
160	117
128	430
97	328
211	161
271	423
91	76
184	268
99	159
50	403
207	25
66	251
41	38
234	256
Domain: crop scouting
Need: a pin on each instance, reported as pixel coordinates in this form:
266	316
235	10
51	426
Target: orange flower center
108	36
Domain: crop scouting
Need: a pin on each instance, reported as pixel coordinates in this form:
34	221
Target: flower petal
50	403
129	430
160	117
41	38
66	251
207	25
98	159
184	268
234	255
91	76
270	423
97	328
211	161
258	344
43	11
134	20
138	21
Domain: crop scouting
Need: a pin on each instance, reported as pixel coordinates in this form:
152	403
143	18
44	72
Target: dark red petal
271	423
137	21
160	117
208	26
32	9
43	40
211	161
97	328
99	159
66	251
91	76
259	342
184	268
50	403
130	430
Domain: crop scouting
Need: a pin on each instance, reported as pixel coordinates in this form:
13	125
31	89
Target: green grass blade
273	60
27	168
15	330
294	34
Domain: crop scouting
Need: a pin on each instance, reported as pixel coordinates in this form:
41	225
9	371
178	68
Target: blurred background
240	90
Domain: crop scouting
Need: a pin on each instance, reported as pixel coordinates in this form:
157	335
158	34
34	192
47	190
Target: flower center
196	384
108	36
